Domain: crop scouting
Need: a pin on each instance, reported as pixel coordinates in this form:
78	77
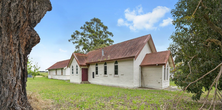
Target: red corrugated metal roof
126	49
60	64
80	58
159	58
123	50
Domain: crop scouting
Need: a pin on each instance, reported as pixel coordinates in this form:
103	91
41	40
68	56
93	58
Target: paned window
105	68
167	73
72	70
96	69
76	69
116	68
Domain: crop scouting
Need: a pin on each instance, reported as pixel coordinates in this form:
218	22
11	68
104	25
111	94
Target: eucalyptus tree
94	35
197	43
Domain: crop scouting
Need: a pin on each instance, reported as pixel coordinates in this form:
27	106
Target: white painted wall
136	68
75	78
58	72
123	79
52	74
152	77
49	74
61	77
67	71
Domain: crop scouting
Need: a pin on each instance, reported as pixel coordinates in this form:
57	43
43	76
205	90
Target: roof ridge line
121	42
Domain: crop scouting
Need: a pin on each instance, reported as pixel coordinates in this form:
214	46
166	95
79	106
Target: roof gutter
153	64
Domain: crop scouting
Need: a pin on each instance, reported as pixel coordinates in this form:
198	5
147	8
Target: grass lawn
44	74
172	83
65	95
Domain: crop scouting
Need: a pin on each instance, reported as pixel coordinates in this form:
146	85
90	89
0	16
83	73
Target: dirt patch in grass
37	102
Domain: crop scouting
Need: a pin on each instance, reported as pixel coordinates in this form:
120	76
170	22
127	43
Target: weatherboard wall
49	74
136	67
52	74
152	77
75	78
67	71
123	79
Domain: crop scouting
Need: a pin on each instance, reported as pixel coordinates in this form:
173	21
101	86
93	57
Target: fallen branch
211	104
196	81
208	94
215	93
219	95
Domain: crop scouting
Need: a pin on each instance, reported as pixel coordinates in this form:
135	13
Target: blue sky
126	19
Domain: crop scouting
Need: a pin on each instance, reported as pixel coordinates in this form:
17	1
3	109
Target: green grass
67	95
172	83
44	74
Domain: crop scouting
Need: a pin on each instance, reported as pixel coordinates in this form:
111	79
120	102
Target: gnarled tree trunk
17	38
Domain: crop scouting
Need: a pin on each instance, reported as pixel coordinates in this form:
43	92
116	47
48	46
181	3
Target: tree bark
17	38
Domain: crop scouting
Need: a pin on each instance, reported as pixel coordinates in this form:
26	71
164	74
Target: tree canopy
33	69
94	35
197	43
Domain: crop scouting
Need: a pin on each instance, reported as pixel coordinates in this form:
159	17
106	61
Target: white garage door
151	77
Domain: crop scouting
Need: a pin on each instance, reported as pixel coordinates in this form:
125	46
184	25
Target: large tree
197	43
94	35
17	38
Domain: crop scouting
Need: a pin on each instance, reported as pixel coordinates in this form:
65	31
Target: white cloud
166	22
62	50
137	19
46	57
121	22
140	9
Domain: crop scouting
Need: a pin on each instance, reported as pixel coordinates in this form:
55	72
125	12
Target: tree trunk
221	27
17	38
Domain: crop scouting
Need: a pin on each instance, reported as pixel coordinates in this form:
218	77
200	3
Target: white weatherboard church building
133	63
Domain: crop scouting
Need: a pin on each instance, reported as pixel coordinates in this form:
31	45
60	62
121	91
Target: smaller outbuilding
59	70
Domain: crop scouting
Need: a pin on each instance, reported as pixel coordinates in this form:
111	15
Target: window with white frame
167	73
164	73
72	70
96	69
76	69
116	68
105	68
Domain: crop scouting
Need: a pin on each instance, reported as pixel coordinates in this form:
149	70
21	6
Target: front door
84	74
